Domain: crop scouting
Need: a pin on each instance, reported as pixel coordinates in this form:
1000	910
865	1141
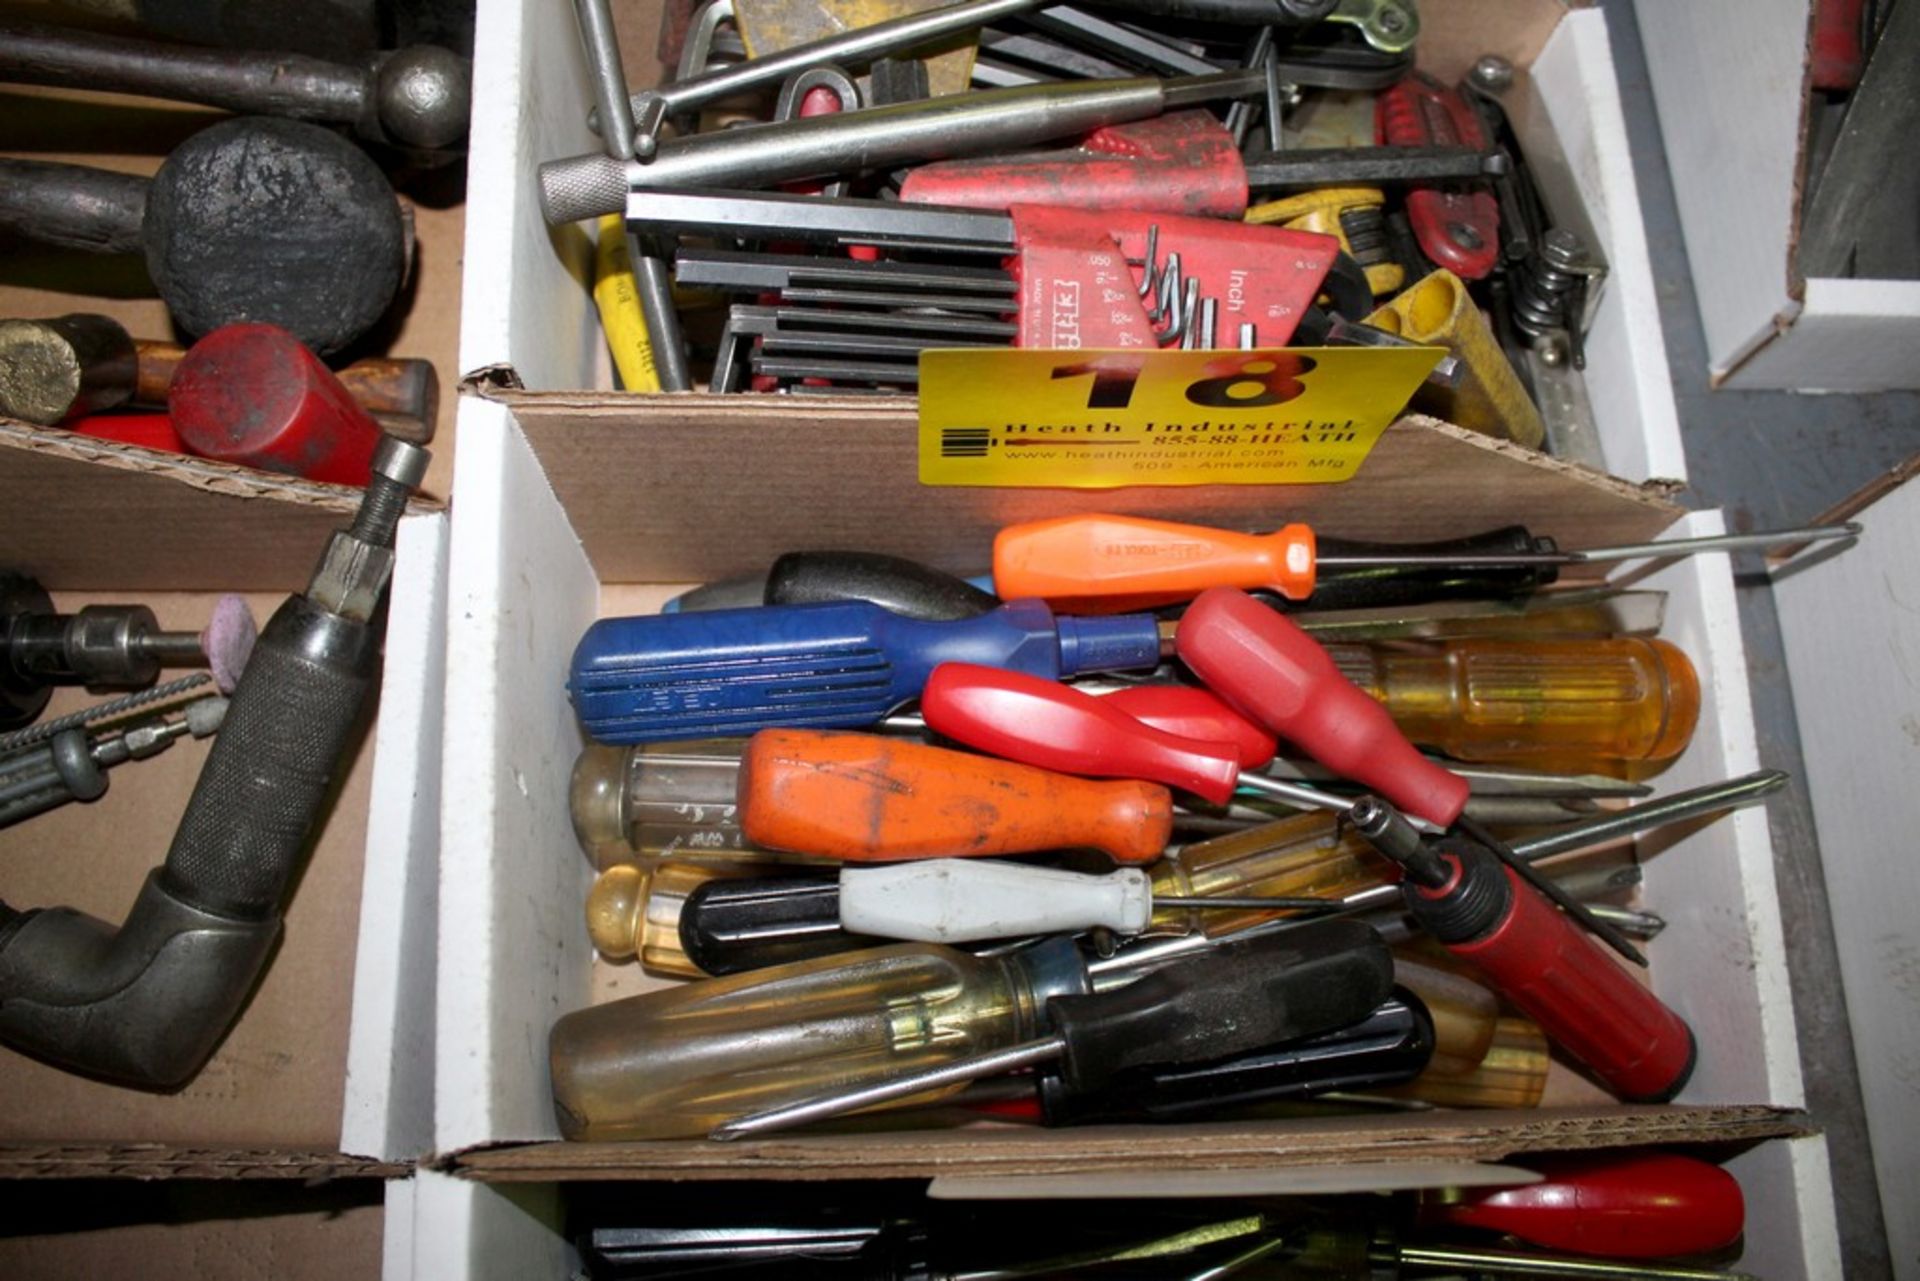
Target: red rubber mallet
253	395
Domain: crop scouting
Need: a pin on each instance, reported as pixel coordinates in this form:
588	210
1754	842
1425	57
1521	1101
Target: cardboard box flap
919	1154
176	1161
689	488
133	518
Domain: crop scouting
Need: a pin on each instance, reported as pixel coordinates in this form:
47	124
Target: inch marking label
1105	419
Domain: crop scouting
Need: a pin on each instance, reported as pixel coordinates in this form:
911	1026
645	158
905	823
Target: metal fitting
359	560
351	576
1492	74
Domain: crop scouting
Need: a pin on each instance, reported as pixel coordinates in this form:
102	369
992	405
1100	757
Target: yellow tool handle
618	299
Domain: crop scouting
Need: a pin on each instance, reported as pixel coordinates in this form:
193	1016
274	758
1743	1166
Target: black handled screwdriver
1331	974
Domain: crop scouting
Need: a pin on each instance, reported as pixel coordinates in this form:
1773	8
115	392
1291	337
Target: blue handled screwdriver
834	665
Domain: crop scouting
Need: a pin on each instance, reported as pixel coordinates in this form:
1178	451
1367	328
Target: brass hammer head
52	370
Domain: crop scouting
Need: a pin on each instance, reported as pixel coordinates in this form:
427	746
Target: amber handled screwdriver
1596	699
1091	558
1254	995
867	798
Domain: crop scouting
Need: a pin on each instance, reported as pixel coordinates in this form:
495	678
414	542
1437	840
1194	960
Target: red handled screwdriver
1634	1205
1266	668
1481	910
1053	726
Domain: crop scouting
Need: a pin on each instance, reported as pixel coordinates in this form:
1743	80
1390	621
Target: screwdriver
945	900
1436	1024
1588	701
838	664
1253	996
1103	561
1345	607
1365	1063
1391	1046
863	797
659	800
1270	670
1630	1205
673	1063
1480	909
1053	726
730	926
1337	1245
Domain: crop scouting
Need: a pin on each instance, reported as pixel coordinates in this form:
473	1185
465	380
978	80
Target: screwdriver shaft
1592	555
1011	1059
1694	803
1510	1263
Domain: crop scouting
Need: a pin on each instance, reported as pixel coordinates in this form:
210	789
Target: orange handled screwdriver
1109	562
866	798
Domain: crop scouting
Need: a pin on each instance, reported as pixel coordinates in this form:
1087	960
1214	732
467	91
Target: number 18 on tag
1103	419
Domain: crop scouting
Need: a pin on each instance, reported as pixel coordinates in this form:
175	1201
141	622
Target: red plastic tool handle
1191	712
1585	1002
1635	1205
1053	726
1458	229
251	394
154	431
1266	668
1181	163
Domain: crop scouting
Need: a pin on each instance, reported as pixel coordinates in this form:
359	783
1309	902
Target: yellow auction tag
1102	419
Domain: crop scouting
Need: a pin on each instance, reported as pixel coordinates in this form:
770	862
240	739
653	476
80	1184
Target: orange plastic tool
867	798
1130	562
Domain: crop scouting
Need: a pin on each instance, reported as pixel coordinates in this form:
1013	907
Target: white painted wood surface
1729	80
1851	623
387	1108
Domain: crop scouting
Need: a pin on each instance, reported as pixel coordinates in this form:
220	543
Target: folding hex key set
1174	207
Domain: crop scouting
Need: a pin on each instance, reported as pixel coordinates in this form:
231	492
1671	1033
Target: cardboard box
1731	81
327	1071
192	1230
576	503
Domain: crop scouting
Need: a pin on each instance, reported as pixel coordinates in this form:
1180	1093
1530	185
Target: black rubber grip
891	582
1387	585
266	780
72	206
1392	1044
1238	997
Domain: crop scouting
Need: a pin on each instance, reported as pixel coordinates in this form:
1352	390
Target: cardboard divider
512	933
673	488
925	1153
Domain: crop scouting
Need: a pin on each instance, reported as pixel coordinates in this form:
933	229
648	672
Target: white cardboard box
526	575
1730	80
